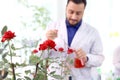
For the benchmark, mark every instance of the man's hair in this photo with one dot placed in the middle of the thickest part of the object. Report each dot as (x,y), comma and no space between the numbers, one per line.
(78,1)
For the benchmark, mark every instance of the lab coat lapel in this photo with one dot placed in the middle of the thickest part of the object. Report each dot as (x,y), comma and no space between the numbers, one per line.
(76,42)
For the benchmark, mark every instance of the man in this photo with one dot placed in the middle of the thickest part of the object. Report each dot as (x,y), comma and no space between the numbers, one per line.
(116,62)
(74,33)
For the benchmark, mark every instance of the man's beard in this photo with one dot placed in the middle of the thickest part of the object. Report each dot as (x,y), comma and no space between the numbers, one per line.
(76,22)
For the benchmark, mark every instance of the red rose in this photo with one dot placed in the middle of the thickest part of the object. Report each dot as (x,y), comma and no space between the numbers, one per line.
(69,51)
(35,51)
(8,36)
(42,47)
(78,63)
(47,44)
(60,49)
(50,43)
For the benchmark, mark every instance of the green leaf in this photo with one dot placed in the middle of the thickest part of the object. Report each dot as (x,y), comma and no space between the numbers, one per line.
(1,64)
(4,30)
(18,74)
(13,54)
(40,76)
(20,79)
(6,45)
(27,78)
(13,47)
(1,50)
(4,55)
(57,76)
(5,60)
(27,71)
(22,64)
(71,61)
(53,72)
(33,59)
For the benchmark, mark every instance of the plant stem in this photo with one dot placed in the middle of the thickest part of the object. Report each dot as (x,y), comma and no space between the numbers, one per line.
(46,66)
(13,71)
(36,70)
(10,51)
(12,64)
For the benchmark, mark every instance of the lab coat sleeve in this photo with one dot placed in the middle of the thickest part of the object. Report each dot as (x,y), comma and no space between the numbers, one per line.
(95,56)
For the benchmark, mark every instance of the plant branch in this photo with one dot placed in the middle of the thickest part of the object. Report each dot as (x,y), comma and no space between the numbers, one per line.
(36,70)
(13,71)
(10,51)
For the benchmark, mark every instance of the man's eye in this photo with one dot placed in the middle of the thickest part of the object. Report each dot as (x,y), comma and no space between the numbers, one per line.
(71,12)
(78,13)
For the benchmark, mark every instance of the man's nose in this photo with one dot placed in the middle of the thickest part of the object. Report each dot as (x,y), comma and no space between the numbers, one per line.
(74,16)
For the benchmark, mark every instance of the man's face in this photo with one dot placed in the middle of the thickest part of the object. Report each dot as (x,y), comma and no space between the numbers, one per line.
(74,12)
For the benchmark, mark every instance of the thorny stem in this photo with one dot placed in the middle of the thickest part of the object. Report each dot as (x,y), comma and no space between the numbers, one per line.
(36,69)
(45,78)
(37,66)
(10,51)
(12,64)
(13,70)
(46,66)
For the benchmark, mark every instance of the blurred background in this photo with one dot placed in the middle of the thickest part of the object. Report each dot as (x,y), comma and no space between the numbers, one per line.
(28,19)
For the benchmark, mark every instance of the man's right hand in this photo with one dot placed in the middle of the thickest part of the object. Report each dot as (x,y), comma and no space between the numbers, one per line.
(51,34)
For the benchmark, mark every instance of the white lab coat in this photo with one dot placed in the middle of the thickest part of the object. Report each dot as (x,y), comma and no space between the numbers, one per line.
(86,38)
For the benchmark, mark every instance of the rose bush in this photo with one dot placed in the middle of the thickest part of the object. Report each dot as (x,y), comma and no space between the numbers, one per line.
(37,59)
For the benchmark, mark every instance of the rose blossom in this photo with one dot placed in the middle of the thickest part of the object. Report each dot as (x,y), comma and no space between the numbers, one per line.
(8,35)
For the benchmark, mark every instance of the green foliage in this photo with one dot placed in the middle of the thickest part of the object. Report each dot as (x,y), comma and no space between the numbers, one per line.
(1,50)
(26,78)
(34,59)
(4,30)
(40,17)
(57,77)
(27,71)
(7,53)
(40,75)
(118,78)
